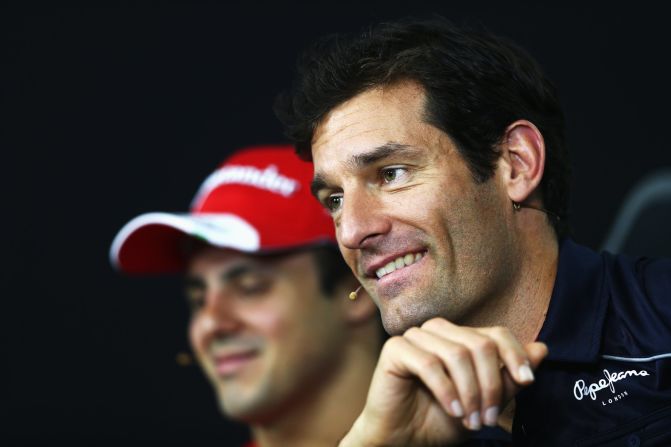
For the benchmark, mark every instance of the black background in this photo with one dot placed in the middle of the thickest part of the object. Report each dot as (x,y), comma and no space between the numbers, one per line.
(112,110)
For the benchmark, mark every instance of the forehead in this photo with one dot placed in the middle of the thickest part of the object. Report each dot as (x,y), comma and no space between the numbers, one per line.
(378,116)
(381,109)
(206,257)
(215,260)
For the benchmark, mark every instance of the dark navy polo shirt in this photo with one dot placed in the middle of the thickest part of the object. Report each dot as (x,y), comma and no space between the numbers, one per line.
(607,378)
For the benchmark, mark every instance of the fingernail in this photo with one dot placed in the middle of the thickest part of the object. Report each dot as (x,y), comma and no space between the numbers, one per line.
(474,421)
(525,373)
(492,416)
(457,408)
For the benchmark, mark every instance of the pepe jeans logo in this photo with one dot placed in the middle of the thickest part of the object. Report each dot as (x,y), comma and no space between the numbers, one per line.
(581,389)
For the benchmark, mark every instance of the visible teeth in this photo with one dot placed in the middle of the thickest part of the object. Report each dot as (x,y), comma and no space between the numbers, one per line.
(398,263)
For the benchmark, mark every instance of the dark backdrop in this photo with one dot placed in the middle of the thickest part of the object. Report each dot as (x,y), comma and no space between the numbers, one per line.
(111,111)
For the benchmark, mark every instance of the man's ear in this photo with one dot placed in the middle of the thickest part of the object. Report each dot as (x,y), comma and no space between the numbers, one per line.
(522,159)
(357,311)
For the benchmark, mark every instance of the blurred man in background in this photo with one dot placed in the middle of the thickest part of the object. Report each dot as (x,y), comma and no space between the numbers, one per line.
(271,325)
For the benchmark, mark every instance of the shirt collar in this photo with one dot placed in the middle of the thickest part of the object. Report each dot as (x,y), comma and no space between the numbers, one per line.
(573,325)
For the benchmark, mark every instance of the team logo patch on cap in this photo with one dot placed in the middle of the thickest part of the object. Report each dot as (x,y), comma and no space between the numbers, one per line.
(269,179)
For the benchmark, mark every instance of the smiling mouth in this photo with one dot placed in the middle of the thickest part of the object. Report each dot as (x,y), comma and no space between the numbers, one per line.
(233,363)
(399,263)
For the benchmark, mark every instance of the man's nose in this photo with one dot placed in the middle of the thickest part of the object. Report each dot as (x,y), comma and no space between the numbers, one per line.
(220,311)
(362,219)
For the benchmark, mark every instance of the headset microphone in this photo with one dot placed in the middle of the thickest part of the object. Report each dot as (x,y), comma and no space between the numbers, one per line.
(353,295)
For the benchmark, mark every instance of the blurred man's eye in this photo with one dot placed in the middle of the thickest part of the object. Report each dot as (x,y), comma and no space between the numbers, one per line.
(253,284)
(195,299)
(194,292)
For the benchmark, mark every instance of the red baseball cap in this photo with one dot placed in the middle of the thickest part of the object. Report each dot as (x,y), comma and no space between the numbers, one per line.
(257,201)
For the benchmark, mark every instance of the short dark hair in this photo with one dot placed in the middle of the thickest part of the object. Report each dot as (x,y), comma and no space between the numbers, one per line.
(476,85)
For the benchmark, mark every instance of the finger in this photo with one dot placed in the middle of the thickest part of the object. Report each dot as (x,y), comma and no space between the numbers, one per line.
(402,358)
(458,362)
(536,352)
(512,353)
(485,358)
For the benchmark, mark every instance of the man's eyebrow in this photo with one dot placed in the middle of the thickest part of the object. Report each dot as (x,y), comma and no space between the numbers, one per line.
(191,280)
(380,153)
(318,183)
(365,159)
(238,271)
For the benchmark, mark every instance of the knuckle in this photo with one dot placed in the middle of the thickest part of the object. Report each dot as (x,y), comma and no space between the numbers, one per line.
(500,332)
(431,363)
(486,346)
(433,324)
(459,353)
(412,332)
(392,344)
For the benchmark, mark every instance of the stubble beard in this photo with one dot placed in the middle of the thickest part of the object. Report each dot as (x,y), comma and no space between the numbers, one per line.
(242,403)
(412,306)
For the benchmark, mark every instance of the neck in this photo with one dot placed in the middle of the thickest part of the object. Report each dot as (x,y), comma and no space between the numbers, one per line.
(327,414)
(523,304)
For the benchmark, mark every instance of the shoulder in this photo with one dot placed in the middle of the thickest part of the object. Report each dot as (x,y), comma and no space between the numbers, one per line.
(654,276)
(645,279)
(639,310)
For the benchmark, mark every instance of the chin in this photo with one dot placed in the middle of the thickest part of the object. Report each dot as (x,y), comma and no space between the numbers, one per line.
(249,399)
(242,410)
(401,314)
(397,322)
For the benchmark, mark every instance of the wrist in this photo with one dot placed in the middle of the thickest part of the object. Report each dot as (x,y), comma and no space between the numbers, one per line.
(358,436)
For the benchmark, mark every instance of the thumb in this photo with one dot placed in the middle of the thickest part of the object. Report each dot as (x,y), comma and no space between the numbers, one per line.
(536,352)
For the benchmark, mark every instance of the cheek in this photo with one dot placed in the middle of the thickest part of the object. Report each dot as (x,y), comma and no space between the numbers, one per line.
(286,326)
(269,322)
(348,255)
(424,214)
(199,327)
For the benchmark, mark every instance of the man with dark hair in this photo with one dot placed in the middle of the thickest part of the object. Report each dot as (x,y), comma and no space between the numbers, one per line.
(440,154)
(285,350)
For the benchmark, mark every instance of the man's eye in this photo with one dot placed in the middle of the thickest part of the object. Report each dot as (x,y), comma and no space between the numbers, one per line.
(253,284)
(392,174)
(195,298)
(333,202)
